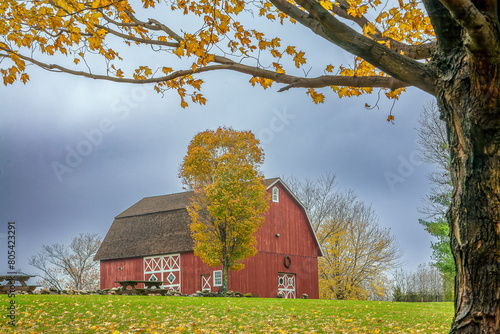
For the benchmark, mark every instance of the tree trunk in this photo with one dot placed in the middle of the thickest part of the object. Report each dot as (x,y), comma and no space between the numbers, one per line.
(468,101)
(224,277)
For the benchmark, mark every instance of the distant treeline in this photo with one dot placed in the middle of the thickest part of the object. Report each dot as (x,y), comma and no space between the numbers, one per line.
(427,284)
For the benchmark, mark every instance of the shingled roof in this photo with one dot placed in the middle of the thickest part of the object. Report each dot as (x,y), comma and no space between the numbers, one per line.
(154,225)
(149,205)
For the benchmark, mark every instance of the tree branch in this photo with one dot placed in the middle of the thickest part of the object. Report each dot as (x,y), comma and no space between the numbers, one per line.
(322,22)
(151,25)
(448,32)
(421,51)
(318,82)
(351,81)
(482,32)
(137,39)
(227,64)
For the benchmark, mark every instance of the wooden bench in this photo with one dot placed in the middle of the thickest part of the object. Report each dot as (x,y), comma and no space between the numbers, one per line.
(146,291)
(150,287)
(16,278)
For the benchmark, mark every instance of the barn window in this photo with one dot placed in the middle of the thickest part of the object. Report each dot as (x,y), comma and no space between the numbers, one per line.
(218,278)
(276,194)
(153,278)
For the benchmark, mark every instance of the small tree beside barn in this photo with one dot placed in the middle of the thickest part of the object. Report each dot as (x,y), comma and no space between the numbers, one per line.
(229,199)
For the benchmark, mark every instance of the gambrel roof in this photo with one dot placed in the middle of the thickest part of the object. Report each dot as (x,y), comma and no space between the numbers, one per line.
(154,225)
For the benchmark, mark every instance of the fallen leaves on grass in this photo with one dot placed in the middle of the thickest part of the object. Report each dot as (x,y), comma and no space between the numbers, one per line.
(143,314)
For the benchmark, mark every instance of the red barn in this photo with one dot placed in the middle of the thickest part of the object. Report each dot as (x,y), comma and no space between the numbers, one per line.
(151,241)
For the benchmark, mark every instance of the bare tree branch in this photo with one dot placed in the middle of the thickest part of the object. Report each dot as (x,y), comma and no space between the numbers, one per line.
(70,266)
(50,276)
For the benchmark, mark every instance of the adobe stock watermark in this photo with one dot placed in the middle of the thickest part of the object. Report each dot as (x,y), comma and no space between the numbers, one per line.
(277,123)
(405,169)
(75,154)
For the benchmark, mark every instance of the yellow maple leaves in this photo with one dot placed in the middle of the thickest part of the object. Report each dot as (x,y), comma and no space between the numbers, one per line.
(51,28)
(142,73)
(406,23)
(279,68)
(299,59)
(326,4)
(148,3)
(316,97)
(264,82)
(357,11)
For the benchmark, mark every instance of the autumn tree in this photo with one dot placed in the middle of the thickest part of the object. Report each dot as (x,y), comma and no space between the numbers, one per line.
(69,266)
(359,254)
(357,258)
(229,202)
(449,49)
(434,149)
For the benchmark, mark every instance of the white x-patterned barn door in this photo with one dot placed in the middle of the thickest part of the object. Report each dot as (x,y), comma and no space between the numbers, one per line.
(286,285)
(206,282)
(164,268)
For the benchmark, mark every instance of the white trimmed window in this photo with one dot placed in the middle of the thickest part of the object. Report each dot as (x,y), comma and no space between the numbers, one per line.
(217,277)
(276,194)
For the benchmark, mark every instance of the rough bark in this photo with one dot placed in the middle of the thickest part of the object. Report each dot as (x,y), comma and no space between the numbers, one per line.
(468,100)
(474,215)
(468,97)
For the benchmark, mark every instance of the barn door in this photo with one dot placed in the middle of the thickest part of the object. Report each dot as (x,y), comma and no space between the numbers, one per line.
(165,268)
(286,285)
(206,283)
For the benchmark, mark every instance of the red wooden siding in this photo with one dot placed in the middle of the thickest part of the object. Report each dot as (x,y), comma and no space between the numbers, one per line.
(259,277)
(288,219)
(192,268)
(132,269)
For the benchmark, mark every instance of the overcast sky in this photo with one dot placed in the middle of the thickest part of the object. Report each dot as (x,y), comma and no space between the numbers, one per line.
(74,152)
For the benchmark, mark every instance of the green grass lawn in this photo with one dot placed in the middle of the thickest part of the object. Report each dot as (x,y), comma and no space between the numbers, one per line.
(148,314)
